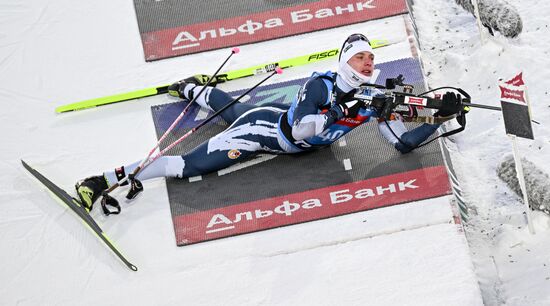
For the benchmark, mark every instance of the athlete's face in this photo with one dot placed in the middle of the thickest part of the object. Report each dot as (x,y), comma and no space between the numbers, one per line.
(362,62)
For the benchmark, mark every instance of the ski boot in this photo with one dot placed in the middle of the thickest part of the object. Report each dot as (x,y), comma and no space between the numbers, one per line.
(176,89)
(90,189)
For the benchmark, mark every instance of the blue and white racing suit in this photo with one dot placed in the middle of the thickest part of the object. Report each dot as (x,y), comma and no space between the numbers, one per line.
(276,128)
(307,124)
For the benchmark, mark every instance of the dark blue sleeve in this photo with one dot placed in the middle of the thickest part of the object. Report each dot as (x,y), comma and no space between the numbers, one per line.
(313,95)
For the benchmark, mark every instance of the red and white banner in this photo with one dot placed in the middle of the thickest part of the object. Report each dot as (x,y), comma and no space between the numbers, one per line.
(516,81)
(262,26)
(312,205)
(513,90)
(515,107)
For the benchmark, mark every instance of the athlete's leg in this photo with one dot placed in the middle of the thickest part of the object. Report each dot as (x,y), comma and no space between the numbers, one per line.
(253,132)
(215,99)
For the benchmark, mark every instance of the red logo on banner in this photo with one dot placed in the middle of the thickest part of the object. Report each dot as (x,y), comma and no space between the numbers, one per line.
(517,80)
(416,101)
(513,90)
(507,94)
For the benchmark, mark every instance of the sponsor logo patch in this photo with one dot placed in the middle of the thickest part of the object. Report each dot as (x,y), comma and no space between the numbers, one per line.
(234,154)
(416,101)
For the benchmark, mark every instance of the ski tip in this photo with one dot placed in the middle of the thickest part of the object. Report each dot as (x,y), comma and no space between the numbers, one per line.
(279,70)
(235,50)
(25,164)
(132,267)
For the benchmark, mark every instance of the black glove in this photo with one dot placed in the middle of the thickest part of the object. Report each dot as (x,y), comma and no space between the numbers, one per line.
(350,109)
(347,105)
(451,104)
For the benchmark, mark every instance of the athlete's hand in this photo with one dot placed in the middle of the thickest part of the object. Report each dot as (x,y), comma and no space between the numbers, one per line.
(452,104)
(350,109)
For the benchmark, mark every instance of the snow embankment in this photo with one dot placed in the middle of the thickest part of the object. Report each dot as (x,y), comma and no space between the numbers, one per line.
(537,182)
(497,15)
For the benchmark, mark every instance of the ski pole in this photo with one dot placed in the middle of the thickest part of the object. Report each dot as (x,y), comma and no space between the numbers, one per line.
(193,130)
(178,119)
(482,106)
(496,108)
(186,109)
(172,126)
(107,199)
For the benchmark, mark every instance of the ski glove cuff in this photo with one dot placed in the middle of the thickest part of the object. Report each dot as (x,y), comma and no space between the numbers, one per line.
(351,108)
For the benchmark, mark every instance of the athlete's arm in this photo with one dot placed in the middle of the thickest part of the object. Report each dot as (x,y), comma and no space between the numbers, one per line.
(307,120)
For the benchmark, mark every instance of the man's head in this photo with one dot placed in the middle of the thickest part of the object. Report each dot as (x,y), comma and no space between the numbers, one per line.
(356,61)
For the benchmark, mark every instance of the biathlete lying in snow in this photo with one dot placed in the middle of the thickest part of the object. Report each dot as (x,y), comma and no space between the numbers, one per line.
(322,105)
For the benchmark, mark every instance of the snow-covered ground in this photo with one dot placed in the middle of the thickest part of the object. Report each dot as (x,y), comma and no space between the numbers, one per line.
(53,53)
(513,266)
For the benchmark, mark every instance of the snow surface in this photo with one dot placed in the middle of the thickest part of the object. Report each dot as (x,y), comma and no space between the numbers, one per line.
(53,53)
(513,266)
